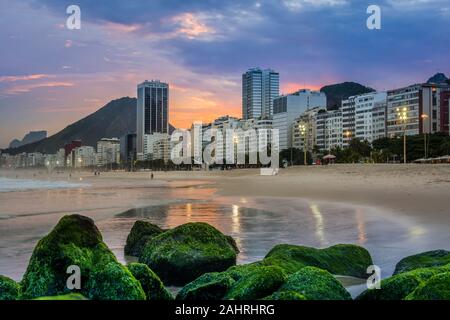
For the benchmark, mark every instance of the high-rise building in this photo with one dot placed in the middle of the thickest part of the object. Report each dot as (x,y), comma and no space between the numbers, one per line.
(152,110)
(421,105)
(289,107)
(363,117)
(329,126)
(128,148)
(259,89)
(108,151)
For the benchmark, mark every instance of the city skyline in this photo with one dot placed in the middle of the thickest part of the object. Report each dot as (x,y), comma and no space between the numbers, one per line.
(60,75)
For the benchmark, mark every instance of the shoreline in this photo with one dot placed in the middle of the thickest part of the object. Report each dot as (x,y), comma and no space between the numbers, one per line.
(413,190)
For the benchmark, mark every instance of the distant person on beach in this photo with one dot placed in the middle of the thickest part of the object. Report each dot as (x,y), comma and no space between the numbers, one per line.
(151,176)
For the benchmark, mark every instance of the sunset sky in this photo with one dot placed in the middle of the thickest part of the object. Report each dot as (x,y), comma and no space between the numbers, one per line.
(51,76)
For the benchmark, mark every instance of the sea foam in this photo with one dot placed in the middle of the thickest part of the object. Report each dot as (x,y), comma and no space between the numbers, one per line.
(9,185)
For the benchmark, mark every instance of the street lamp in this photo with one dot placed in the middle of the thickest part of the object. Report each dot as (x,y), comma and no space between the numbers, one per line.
(302,128)
(424,117)
(402,115)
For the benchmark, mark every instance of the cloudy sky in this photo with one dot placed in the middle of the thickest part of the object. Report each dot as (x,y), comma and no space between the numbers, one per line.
(51,76)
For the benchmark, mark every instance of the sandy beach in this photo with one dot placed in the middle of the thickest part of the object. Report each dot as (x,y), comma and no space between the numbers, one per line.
(419,191)
(393,210)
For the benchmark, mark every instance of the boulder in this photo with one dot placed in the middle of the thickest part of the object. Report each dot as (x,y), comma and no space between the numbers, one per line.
(342,259)
(76,241)
(184,253)
(427,259)
(9,289)
(140,233)
(398,287)
(435,288)
(313,284)
(210,286)
(113,282)
(70,296)
(244,282)
(260,282)
(150,282)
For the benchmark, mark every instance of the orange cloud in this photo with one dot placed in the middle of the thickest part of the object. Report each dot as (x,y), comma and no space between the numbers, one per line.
(29,87)
(23,78)
(191,26)
(124,28)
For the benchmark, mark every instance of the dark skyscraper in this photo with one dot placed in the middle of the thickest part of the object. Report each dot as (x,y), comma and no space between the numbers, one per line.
(152,110)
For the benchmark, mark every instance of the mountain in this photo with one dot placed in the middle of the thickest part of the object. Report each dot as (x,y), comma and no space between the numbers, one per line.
(438,78)
(341,91)
(30,137)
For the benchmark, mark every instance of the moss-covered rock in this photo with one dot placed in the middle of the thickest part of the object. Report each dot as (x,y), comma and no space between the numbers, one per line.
(285,295)
(398,287)
(436,288)
(210,286)
(9,289)
(70,296)
(186,252)
(342,259)
(257,284)
(75,240)
(140,234)
(150,282)
(314,284)
(427,259)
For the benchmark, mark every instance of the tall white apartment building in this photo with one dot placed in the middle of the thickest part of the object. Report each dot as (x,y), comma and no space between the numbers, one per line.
(259,89)
(287,108)
(365,106)
(108,151)
(329,128)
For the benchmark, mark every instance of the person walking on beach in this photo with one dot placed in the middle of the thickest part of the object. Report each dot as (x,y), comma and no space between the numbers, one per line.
(151,176)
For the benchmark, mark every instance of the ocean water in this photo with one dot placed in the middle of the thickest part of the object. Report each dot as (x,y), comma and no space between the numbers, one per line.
(10,185)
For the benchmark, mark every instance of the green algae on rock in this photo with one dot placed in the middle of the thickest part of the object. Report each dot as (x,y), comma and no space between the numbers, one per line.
(313,284)
(341,259)
(75,240)
(182,254)
(257,284)
(435,288)
(435,258)
(140,234)
(210,286)
(150,282)
(398,287)
(9,289)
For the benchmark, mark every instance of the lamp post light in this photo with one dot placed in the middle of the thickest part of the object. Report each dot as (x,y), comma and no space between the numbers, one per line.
(303,129)
(425,148)
(402,115)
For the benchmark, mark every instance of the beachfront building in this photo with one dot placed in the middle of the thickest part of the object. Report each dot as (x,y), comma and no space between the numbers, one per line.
(259,89)
(152,111)
(368,108)
(379,113)
(84,156)
(108,151)
(305,129)
(287,108)
(422,105)
(329,128)
(55,160)
(156,147)
(128,148)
